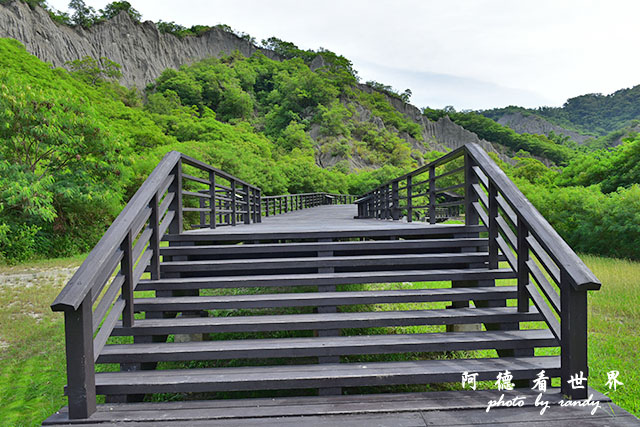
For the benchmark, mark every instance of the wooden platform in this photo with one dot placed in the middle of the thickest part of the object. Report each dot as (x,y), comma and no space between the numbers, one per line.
(260,304)
(452,408)
(313,220)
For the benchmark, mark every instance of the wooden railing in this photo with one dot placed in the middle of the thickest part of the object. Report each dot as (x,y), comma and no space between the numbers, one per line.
(180,189)
(549,272)
(275,205)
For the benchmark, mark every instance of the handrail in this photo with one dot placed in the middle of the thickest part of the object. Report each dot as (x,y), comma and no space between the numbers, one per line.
(517,233)
(582,278)
(384,201)
(102,289)
(81,282)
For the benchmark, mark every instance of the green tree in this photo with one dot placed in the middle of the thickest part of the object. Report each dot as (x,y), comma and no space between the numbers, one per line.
(93,71)
(114,8)
(83,15)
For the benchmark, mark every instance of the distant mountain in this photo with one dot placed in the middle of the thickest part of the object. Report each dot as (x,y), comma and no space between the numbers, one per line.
(592,115)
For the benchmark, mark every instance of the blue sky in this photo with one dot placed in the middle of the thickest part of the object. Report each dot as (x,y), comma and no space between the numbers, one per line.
(471,54)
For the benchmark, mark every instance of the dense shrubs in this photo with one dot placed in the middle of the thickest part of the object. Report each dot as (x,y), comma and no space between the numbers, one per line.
(488,129)
(74,147)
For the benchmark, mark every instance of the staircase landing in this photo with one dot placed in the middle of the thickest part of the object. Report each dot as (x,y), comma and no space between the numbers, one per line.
(317,219)
(448,408)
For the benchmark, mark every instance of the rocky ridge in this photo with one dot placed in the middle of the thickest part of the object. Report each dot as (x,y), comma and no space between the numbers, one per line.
(144,52)
(529,123)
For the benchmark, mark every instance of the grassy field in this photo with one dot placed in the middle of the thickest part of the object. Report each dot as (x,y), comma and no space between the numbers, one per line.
(32,367)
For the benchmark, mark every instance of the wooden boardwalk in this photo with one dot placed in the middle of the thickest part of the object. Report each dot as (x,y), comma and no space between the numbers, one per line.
(314,220)
(292,296)
(452,408)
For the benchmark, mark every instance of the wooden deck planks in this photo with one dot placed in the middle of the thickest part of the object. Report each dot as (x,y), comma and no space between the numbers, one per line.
(314,299)
(290,322)
(326,346)
(319,375)
(458,408)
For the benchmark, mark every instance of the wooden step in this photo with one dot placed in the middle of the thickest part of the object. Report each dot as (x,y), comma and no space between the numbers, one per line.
(326,346)
(321,375)
(312,279)
(315,299)
(362,261)
(307,247)
(253,234)
(317,321)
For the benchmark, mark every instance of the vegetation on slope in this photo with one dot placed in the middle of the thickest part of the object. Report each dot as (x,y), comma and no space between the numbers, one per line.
(488,129)
(593,113)
(75,146)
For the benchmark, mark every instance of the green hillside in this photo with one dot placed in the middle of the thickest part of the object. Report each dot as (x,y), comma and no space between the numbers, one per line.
(75,146)
(592,113)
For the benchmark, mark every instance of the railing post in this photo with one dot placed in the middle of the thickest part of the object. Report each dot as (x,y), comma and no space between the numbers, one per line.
(176,204)
(493,226)
(126,269)
(409,198)
(470,178)
(212,202)
(247,204)
(154,242)
(234,210)
(259,193)
(432,195)
(395,201)
(573,343)
(201,205)
(523,269)
(81,381)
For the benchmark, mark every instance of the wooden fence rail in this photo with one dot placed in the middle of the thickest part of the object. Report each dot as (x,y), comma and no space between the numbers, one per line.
(550,274)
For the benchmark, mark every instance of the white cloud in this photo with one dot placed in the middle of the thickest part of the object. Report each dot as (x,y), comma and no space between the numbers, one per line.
(493,52)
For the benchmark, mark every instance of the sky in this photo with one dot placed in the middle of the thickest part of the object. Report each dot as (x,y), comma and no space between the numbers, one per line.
(470,54)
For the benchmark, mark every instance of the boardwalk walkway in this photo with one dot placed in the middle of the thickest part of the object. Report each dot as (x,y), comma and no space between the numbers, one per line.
(453,408)
(318,219)
(291,299)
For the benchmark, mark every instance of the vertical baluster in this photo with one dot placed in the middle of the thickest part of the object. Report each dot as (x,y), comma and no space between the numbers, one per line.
(523,269)
(395,201)
(493,226)
(470,178)
(126,269)
(212,200)
(81,381)
(234,209)
(432,194)
(259,191)
(154,242)
(176,204)
(409,198)
(201,214)
(573,326)
(247,204)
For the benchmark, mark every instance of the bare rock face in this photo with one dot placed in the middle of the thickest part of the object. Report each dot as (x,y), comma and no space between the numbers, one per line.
(537,125)
(140,48)
(441,135)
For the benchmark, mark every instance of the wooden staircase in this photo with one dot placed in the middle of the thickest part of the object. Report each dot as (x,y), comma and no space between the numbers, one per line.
(328,317)
(310,308)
